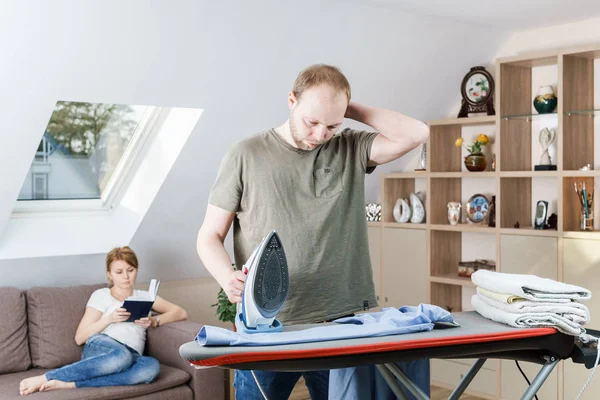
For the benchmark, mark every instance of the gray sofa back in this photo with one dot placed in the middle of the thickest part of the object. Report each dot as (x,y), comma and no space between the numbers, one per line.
(54,314)
(14,346)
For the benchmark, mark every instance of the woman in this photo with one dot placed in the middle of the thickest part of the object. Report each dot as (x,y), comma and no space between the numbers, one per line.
(113,351)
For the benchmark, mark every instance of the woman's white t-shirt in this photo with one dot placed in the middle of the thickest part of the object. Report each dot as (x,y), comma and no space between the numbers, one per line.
(127,333)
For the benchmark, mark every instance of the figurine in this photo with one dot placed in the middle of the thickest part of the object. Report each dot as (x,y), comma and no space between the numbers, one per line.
(552,222)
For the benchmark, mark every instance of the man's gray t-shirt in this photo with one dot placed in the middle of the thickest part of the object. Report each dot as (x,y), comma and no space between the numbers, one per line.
(315,202)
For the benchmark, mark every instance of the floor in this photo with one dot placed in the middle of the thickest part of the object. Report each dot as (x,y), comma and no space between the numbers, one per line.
(437,393)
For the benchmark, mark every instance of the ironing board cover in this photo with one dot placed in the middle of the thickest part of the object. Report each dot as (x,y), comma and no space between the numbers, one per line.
(473,329)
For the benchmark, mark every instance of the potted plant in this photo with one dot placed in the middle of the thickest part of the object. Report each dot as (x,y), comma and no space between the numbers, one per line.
(475,161)
(226,310)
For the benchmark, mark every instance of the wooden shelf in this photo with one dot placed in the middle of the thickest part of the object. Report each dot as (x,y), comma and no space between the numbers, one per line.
(594,235)
(528,174)
(406,225)
(537,59)
(489,174)
(516,185)
(406,175)
(483,174)
(581,173)
(452,279)
(373,223)
(528,231)
(463,228)
(486,120)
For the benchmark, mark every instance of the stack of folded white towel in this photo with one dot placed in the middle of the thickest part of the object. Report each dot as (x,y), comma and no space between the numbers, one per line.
(530,301)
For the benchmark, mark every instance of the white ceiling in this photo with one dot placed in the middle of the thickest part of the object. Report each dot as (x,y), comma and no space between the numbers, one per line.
(508,14)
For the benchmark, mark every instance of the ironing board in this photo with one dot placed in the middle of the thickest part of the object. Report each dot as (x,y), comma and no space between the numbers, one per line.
(476,338)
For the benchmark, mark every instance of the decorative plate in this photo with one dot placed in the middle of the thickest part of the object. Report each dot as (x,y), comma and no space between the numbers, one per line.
(477,208)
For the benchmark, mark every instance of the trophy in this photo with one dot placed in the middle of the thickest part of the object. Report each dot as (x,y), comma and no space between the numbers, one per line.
(546,138)
(422,158)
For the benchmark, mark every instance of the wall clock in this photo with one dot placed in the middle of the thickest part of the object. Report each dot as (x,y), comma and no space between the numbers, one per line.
(477,91)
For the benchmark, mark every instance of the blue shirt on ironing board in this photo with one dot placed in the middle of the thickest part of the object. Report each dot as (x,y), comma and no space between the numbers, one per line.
(389,321)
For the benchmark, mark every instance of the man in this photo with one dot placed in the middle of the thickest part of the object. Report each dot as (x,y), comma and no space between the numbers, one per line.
(307,182)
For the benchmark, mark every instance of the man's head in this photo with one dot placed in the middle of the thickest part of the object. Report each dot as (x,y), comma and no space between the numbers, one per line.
(317,103)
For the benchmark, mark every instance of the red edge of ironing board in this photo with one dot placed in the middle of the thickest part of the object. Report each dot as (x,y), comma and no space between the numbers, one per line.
(372,348)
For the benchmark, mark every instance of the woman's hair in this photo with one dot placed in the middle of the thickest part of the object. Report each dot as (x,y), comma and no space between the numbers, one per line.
(318,74)
(121,253)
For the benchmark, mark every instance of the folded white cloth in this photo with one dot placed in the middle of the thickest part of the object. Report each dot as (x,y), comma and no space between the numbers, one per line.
(573,311)
(504,298)
(526,320)
(530,287)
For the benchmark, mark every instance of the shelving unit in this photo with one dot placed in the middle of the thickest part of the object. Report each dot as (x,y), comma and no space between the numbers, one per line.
(517,187)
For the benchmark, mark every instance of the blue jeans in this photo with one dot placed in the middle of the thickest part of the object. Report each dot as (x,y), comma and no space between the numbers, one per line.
(107,362)
(279,385)
(366,383)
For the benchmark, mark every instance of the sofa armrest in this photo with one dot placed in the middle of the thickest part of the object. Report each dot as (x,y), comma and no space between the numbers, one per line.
(163,344)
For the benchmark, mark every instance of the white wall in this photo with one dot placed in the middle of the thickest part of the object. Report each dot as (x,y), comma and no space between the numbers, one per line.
(237,61)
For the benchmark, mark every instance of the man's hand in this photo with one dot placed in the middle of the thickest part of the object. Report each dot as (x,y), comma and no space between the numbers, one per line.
(234,285)
(351,112)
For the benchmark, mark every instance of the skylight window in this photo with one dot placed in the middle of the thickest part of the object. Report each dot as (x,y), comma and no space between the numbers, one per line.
(84,150)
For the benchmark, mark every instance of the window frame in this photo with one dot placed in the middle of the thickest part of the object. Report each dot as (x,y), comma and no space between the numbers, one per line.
(116,185)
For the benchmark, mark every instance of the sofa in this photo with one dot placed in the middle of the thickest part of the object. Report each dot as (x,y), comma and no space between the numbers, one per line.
(37,331)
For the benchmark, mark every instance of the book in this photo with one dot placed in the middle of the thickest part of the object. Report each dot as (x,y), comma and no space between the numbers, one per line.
(140,306)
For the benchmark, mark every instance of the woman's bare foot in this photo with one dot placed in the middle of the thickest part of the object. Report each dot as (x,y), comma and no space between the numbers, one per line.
(54,385)
(31,385)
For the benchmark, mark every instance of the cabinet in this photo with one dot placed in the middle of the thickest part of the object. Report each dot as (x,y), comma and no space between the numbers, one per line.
(375,253)
(404,279)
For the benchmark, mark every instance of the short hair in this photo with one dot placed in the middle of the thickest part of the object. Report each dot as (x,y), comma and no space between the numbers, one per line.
(318,74)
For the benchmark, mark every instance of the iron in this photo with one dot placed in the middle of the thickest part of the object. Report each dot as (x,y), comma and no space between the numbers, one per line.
(266,288)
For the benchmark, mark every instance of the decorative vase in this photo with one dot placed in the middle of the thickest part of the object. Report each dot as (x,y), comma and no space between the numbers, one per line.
(417,209)
(545,101)
(475,162)
(454,212)
(401,211)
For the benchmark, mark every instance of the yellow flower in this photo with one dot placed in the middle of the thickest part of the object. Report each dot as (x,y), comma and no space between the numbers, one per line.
(483,138)
(459,142)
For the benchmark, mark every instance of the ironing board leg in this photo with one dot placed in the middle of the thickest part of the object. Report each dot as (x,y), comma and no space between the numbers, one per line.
(540,378)
(466,380)
(389,378)
(414,389)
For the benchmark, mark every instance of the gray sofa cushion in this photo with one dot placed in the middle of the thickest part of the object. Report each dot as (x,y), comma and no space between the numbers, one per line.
(54,314)
(169,377)
(14,347)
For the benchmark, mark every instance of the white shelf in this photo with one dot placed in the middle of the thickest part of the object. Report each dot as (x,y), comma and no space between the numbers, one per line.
(529,231)
(529,174)
(463,228)
(483,174)
(406,175)
(452,279)
(582,235)
(581,173)
(407,225)
(485,120)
